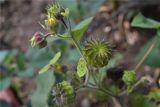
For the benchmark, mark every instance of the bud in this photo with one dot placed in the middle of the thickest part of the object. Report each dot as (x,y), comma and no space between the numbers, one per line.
(51,21)
(129,77)
(38,40)
(97,53)
(57,12)
(65,12)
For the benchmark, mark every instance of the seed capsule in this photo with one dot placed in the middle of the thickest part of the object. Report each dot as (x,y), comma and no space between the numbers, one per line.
(97,53)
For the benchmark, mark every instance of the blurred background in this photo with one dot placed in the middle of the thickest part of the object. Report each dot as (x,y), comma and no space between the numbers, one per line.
(19,63)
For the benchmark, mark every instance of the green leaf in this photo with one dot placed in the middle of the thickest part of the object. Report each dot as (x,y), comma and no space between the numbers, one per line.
(39,57)
(153,58)
(56,58)
(143,22)
(155,94)
(82,67)
(5,83)
(158,32)
(44,69)
(79,30)
(26,73)
(139,100)
(20,60)
(52,62)
(3,54)
(10,57)
(45,82)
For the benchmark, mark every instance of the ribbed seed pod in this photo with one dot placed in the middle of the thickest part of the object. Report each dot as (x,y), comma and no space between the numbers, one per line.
(63,93)
(97,52)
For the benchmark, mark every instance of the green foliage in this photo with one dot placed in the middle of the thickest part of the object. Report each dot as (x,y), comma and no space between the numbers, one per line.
(13,63)
(158,32)
(115,89)
(51,63)
(81,9)
(153,58)
(74,79)
(5,83)
(29,72)
(39,57)
(82,67)
(140,100)
(94,55)
(115,60)
(143,22)
(55,59)
(155,94)
(45,82)
(20,61)
(3,54)
(73,8)
(79,30)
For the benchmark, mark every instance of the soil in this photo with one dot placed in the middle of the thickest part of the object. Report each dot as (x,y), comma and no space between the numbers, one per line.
(19,20)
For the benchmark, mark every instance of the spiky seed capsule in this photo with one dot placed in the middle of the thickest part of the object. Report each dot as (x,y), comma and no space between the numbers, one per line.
(63,93)
(97,53)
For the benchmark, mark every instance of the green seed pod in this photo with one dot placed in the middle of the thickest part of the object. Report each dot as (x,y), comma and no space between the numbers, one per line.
(97,53)
(63,93)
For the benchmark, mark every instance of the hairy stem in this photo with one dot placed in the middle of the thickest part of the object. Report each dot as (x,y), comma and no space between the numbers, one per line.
(79,49)
(77,45)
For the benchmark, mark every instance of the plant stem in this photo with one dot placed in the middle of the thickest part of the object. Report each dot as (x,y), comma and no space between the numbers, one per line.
(77,45)
(116,102)
(107,92)
(79,49)
(135,85)
(146,55)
